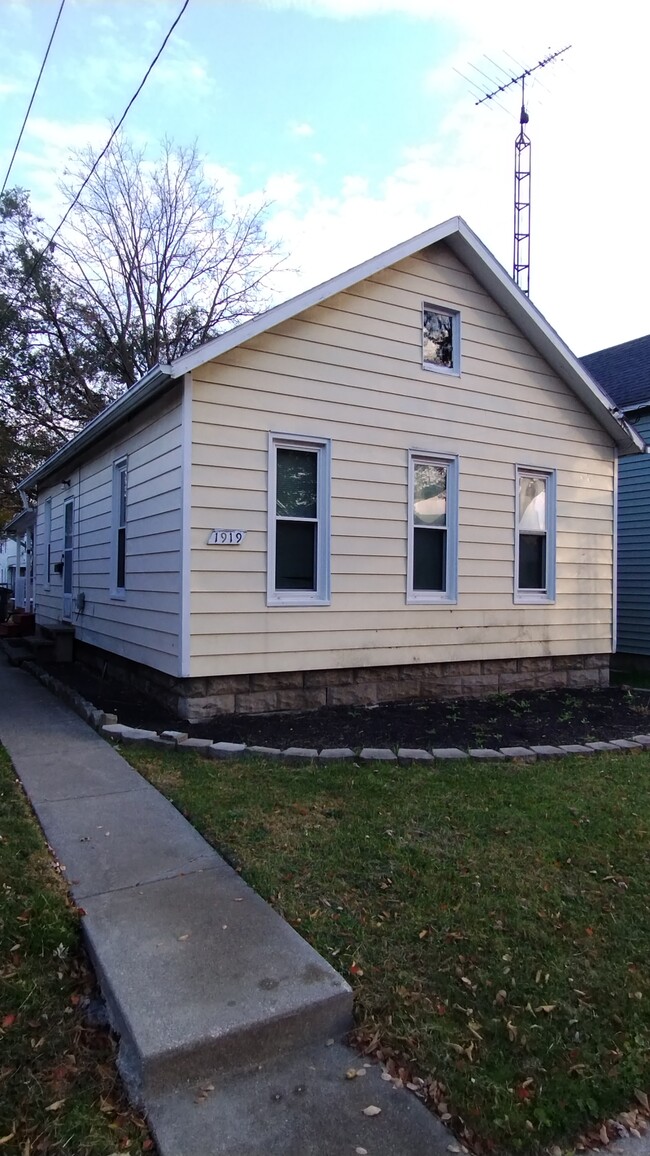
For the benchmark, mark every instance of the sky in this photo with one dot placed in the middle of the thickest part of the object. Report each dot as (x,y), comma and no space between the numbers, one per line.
(352,119)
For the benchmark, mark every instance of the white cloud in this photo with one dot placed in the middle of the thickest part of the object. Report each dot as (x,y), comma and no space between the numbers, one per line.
(300,128)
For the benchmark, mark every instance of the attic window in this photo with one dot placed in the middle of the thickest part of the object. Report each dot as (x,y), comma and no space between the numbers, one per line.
(440,339)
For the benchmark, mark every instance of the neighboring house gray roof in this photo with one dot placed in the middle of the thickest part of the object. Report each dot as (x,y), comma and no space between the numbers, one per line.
(623,371)
(469,248)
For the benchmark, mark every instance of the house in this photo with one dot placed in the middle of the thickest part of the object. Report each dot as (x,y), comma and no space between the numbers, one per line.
(17,559)
(398,484)
(624,372)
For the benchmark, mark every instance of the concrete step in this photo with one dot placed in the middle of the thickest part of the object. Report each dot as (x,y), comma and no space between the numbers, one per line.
(300,1105)
(198,972)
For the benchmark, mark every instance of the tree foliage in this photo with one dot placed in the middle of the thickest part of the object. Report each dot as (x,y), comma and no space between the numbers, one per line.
(151,264)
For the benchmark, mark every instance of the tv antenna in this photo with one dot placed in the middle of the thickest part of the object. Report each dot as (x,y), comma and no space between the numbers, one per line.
(521,249)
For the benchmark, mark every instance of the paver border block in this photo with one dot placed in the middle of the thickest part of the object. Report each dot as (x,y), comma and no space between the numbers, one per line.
(113,730)
(226,750)
(175,736)
(300,754)
(330,754)
(413,755)
(262,752)
(642,740)
(377,755)
(485,754)
(626,745)
(546,751)
(599,747)
(520,754)
(200,746)
(576,749)
(448,753)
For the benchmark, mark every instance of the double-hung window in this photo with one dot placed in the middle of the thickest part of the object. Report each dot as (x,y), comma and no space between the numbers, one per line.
(299,521)
(535,535)
(118,563)
(433,528)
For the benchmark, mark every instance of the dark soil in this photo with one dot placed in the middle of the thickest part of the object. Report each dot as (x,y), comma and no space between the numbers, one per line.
(560,716)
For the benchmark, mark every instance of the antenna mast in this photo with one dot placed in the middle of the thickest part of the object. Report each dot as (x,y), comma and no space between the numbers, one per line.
(521,253)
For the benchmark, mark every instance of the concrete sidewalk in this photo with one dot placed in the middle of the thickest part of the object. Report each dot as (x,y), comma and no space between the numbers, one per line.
(225,1014)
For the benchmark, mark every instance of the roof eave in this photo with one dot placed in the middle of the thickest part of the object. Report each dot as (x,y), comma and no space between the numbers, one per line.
(487,270)
(138,395)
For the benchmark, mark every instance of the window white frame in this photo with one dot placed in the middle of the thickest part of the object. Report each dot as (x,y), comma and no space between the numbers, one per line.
(448,596)
(118,525)
(47,542)
(323,449)
(526,597)
(452,370)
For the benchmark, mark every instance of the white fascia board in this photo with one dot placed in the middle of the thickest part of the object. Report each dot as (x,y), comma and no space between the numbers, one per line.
(498,283)
(134,398)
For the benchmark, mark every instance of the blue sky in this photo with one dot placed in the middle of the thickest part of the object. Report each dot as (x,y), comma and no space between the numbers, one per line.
(350,117)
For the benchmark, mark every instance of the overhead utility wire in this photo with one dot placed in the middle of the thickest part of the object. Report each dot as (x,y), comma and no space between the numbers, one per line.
(31,101)
(105,149)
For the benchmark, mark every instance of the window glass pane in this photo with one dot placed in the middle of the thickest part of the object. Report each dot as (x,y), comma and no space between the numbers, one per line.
(120,577)
(532,504)
(296,484)
(430,494)
(429,559)
(532,561)
(67,526)
(122,494)
(438,338)
(295,555)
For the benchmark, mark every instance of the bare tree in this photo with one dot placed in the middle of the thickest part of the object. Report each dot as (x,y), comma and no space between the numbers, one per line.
(156,262)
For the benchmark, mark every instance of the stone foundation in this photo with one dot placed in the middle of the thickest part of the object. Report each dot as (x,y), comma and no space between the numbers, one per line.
(196,699)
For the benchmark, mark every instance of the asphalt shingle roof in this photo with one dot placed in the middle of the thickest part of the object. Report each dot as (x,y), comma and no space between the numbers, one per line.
(623,371)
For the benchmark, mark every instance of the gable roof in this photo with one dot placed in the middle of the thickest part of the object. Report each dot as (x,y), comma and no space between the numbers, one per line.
(467,246)
(623,371)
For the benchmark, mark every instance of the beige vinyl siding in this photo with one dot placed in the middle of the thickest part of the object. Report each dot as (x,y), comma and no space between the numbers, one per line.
(145,625)
(350,370)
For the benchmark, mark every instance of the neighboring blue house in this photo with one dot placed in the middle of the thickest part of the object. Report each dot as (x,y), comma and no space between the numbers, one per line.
(624,372)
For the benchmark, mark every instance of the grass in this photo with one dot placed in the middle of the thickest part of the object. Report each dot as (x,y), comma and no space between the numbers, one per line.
(59,1091)
(494,921)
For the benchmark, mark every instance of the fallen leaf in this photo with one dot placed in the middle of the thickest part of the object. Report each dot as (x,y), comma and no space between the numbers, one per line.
(371,1110)
(355,969)
(183,937)
(423,934)
(643,1099)
(361,1151)
(604,1138)
(351,1074)
(453,1147)
(546,1007)
(8,1137)
(54,1107)
(8,1020)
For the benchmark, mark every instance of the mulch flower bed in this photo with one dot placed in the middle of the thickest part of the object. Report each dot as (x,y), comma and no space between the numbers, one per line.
(530,717)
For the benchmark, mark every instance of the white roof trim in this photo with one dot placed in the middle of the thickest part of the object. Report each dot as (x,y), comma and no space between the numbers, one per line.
(494,279)
(468,248)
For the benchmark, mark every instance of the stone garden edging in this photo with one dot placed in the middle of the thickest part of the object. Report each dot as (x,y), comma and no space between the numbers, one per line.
(108,726)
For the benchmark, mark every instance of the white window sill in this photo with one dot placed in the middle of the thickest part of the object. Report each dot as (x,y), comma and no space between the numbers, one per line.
(532,599)
(426,599)
(441,369)
(118,595)
(276,600)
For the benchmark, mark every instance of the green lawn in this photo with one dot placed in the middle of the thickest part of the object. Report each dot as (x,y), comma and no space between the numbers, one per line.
(59,1091)
(493,920)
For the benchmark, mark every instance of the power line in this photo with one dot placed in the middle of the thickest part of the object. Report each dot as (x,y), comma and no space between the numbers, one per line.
(102,154)
(31,101)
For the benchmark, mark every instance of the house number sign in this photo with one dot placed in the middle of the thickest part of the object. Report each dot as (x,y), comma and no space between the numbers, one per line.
(226,537)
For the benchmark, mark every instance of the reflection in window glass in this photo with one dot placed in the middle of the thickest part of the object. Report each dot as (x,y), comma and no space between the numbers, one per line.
(532,504)
(296,483)
(430,494)
(438,338)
